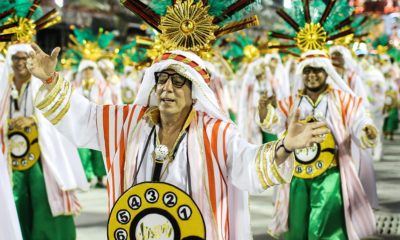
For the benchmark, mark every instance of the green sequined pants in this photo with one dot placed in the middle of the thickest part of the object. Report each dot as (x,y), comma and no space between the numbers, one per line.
(316,208)
(36,220)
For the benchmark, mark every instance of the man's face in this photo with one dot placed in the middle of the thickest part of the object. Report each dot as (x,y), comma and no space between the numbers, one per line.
(337,59)
(87,73)
(172,98)
(314,78)
(19,63)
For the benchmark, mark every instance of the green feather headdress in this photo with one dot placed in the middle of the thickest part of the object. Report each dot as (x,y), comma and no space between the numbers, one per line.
(312,23)
(132,54)
(27,20)
(88,45)
(193,24)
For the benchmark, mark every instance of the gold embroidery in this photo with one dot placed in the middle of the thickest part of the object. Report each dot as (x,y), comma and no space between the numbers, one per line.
(56,106)
(51,96)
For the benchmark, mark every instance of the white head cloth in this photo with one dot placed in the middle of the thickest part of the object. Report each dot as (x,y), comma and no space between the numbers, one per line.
(206,100)
(96,72)
(319,59)
(105,64)
(350,63)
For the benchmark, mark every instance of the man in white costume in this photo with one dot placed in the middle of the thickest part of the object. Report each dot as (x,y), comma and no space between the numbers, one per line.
(175,108)
(265,76)
(349,71)
(325,199)
(113,82)
(375,84)
(44,193)
(92,85)
(9,224)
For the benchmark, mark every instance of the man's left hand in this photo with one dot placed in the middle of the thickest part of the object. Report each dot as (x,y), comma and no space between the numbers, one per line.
(371,132)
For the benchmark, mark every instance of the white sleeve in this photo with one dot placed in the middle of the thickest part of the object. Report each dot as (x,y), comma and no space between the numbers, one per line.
(253,168)
(72,114)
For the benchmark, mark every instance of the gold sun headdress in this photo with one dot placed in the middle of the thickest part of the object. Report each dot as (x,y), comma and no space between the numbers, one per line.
(23,26)
(313,23)
(192,25)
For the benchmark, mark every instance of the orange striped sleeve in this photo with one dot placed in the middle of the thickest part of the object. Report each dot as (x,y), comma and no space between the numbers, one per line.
(210,170)
(122,153)
(106,124)
(214,146)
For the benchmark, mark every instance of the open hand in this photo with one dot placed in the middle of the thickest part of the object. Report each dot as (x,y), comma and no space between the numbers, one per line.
(301,135)
(40,64)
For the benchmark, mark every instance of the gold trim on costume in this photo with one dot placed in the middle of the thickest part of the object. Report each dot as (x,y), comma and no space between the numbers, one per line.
(258,169)
(53,109)
(60,116)
(51,96)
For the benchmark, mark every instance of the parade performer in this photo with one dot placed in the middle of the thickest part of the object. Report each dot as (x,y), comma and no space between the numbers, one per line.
(176,113)
(133,59)
(90,83)
(348,70)
(265,76)
(9,225)
(46,166)
(325,199)
(391,122)
(375,86)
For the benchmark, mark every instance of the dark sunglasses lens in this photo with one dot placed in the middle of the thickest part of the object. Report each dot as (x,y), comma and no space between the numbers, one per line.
(178,80)
(161,77)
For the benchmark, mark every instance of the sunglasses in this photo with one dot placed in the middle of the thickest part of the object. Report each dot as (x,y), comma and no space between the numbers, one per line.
(308,70)
(176,79)
(16,58)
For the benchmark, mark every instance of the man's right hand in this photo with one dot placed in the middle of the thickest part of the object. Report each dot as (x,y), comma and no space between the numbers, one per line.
(40,64)
(263,103)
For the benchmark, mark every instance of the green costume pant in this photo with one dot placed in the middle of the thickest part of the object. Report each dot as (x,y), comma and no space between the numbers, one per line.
(391,121)
(316,208)
(92,162)
(35,217)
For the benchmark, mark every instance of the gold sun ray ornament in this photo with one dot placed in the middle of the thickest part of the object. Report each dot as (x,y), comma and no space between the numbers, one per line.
(187,26)
(311,36)
(24,28)
(322,24)
(193,25)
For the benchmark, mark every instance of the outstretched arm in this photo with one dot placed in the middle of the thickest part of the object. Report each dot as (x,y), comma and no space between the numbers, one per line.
(73,115)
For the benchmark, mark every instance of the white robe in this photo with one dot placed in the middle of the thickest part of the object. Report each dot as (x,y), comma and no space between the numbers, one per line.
(62,168)
(9,223)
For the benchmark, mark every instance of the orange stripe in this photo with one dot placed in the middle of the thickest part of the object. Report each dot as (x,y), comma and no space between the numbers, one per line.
(214,145)
(359,103)
(290,102)
(106,125)
(349,110)
(224,142)
(347,104)
(210,171)
(68,202)
(282,108)
(122,154)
